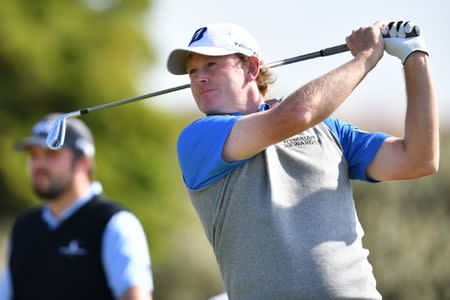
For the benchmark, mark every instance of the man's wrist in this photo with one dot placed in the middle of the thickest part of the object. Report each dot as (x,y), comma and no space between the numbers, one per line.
(370,58)
(414,57)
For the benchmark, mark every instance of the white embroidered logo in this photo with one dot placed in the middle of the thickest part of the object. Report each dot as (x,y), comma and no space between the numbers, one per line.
(301,141)
(72,249)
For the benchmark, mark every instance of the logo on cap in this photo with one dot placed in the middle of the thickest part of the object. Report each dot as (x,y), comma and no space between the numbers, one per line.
(198,35)
(42,127)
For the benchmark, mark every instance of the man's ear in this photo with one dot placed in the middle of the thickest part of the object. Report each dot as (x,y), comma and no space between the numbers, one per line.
(84,163)
(253,67)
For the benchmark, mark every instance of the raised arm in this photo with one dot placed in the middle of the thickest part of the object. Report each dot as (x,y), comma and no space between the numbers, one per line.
(417,153)
(310,104)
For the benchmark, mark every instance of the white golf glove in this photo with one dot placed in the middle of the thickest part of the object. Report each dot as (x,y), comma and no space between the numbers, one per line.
(402,39)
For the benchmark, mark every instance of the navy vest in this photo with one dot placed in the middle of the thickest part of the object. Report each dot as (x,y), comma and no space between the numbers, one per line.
(64,263)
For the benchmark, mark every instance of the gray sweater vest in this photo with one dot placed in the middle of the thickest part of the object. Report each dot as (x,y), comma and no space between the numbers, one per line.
(284,225)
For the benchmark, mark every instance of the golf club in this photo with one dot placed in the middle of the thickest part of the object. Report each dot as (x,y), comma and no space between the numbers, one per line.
(56,136)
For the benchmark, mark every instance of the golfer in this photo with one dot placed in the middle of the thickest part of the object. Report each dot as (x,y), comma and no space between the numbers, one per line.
(272,183)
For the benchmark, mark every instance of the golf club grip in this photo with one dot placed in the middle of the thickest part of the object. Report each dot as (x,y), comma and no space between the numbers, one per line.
(334,50)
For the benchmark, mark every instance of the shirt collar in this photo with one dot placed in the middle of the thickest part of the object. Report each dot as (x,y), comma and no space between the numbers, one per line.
(53,222)
(262,107)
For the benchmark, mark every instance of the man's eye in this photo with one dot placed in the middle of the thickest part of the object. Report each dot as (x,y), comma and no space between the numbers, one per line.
(211,64)
(191,71)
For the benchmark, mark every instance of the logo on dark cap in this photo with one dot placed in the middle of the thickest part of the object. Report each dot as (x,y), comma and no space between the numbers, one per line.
(198,35)
(42,128)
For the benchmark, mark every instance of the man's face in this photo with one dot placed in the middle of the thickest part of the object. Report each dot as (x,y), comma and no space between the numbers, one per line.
(52,172)
(217,82)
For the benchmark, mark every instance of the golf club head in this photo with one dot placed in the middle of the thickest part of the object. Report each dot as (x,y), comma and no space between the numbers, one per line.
(57,134)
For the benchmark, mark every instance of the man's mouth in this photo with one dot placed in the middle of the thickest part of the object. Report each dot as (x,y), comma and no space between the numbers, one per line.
(40,175)
(206,91)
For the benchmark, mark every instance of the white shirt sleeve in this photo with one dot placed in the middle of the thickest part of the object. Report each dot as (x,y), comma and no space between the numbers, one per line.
(222,296)
(125,254)
(5,285)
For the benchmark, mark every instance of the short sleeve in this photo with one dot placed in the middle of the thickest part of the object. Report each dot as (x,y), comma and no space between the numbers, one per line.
(125,254)
(359,147)
(199,149)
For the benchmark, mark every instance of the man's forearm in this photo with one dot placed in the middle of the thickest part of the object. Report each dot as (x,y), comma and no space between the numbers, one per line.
(422,122)
(321,97)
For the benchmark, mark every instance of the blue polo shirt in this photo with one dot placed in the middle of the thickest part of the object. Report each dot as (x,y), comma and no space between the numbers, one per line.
(200,148)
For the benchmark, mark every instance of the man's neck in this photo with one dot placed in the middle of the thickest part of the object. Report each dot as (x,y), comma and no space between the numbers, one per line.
(59,205)
(253,103)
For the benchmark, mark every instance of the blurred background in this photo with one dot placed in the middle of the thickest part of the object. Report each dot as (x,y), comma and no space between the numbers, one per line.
(58,55)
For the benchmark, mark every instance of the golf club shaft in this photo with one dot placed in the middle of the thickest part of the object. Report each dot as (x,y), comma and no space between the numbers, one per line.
(323,52)
(133,99)
(56,136)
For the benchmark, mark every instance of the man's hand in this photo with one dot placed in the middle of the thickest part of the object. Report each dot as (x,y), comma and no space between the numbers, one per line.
(367,41)
(398,44)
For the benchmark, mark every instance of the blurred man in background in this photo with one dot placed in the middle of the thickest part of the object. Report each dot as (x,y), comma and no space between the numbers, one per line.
(271,184)
(78,245)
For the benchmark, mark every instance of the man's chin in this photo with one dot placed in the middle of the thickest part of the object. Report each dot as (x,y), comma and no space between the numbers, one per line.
(209,110)
(47,194)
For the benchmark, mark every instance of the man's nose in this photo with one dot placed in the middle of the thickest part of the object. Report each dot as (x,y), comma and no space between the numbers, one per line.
(200,77)
(37,161)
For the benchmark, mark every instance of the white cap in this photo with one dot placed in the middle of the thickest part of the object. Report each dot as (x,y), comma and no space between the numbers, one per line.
(214,40)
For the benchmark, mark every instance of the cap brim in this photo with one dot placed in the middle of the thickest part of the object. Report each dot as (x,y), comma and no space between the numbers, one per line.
(29,142)
(176,63)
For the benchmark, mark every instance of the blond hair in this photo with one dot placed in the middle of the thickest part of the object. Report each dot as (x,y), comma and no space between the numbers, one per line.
(264,79)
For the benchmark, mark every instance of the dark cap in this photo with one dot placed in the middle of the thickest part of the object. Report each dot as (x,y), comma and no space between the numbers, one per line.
(78,136)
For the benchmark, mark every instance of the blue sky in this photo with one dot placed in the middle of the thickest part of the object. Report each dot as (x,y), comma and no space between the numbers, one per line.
(287,28)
